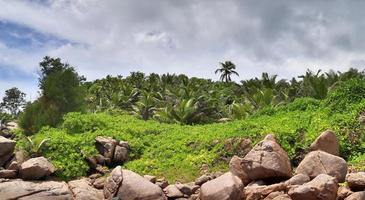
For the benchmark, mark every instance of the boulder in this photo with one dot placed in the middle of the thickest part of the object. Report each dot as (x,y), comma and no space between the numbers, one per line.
(356,196)
(27,190)
(274,195)
(172,191)
(36,168)
(323,187)
(343,192)
(6,149)
(106,146)
(113,183)
(267,160)
(225,187)
(255,192)
(162,183)
(120,155)
(150,178)
(235,167)
(99,183)
(188,188)
(282,197)
(320,162)
(202,179)
(135,186)
(298,179)
(82,190)
(5,173)
(327,142)
(356,181)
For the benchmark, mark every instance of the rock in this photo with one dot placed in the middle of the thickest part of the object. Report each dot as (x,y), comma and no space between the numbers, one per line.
(202,179)
(320,162)
(99,183)
(225,187)
(6,149)
(343,192)
(356,196)
(261,192)
(150,178)
(100,159)
(95,176)
(172,191)
(327,142)
(188,188)
(267,160)
(282,197)
(273,195)
(82,190)
(124,144)
(235,167)
(135,186)
(106,146)
(120,155)
(298,179)
(36,168)
(5,173)
(323,187)
(91,161)
(113,183)
(27,190)
(356,181)
(162,183)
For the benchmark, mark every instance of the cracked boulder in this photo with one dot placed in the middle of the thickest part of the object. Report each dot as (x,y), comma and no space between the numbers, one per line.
(135,186)
(36,168)
(6,149)
(356,181)
(225,187)
(28,190)
(82,190)
(267,160)
(323,187)
(106,146)
(327,142)
(320,162)
(113,183)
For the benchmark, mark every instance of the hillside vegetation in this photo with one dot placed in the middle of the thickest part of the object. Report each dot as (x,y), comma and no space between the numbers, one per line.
(177,151)
(179,126)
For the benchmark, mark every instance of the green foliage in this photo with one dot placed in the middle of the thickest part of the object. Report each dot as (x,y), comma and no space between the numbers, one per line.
(13,101)
(346,95)
(61,92)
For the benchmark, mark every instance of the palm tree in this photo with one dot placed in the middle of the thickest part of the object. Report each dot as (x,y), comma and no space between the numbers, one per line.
(226,70)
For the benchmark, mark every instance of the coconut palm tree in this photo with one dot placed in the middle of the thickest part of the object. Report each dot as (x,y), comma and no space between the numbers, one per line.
(226,70)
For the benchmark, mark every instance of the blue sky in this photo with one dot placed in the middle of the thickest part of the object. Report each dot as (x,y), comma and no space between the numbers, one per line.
(283,37)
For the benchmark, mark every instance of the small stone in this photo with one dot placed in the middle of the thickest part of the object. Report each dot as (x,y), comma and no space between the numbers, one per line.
(202,179)
(356,181)
(172,191)
(150,178)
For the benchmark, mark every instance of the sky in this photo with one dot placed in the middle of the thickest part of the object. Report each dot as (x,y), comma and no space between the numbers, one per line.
(283,37)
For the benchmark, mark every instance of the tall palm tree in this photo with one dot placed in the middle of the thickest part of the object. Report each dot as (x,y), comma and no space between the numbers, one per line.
(226,70)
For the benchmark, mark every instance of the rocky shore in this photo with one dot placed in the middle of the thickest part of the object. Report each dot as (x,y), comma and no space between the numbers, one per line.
(262,173)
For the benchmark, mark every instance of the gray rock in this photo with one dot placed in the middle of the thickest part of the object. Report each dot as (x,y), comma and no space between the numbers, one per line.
(6,149)
(29,190)
(225,187)
(356,181)
(120,155)
(298,179)
(82,190)
(267,160)
(150,178)
(113,183)
(5,173)
(135,187)
(323,187)
(327,142)
(172,191)
(36,168)
(320,162)
(356,196)
(202,179)
(106,146)
(235,167)
(188,188)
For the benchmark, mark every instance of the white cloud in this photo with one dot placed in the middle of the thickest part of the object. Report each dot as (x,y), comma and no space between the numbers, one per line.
(115,37)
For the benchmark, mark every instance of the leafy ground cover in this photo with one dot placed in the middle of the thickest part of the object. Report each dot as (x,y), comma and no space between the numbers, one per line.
(177,152)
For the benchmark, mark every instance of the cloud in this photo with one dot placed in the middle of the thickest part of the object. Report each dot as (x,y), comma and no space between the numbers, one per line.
(283,37)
